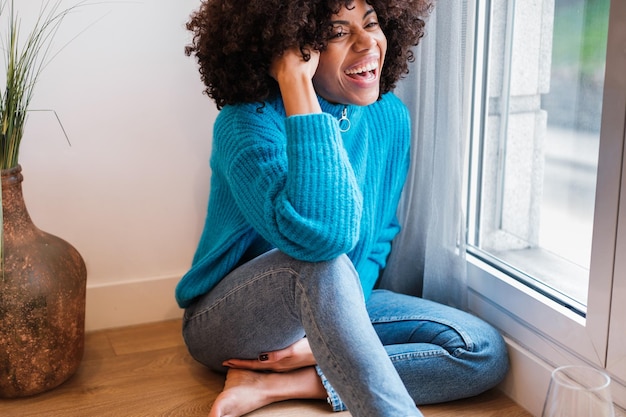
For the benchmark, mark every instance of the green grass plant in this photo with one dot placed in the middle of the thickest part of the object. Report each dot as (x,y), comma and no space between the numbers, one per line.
(24,60)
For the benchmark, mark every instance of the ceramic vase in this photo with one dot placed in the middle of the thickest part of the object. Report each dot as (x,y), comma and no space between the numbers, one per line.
(42,301)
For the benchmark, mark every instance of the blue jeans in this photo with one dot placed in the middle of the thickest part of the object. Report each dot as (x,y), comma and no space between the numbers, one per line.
(376,359)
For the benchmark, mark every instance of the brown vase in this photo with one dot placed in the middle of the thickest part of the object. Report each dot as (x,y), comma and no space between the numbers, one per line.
(42,301)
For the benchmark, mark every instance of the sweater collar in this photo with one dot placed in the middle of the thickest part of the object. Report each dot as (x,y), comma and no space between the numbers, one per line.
(353,112)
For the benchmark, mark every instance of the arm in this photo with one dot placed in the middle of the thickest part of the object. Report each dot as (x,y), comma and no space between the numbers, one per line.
(290,178)
(294,76)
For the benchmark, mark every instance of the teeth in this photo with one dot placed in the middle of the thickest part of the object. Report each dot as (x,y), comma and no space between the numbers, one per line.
(369,67)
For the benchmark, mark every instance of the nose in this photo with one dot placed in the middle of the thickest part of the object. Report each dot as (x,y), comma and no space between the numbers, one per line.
(363,41)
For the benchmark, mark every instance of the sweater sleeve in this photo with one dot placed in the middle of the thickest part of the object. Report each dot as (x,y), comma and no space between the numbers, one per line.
(292,181)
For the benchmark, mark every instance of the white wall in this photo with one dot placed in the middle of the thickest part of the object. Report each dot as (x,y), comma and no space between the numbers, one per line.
(130,193)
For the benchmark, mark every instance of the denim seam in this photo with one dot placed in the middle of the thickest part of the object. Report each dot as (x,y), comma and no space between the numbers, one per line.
(222,299)
(466,337)
(333,396)
(418,355)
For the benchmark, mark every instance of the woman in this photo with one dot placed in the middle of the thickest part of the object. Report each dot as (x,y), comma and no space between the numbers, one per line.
(310,153)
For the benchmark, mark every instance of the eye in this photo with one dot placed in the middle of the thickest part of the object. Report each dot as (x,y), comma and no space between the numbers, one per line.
(372,25)
(338,32)
(371,20)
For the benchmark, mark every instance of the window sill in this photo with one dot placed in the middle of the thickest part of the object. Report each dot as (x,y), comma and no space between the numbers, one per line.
(541,334)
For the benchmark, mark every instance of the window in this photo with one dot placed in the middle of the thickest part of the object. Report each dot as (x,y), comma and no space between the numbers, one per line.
(544,173)
(536,162)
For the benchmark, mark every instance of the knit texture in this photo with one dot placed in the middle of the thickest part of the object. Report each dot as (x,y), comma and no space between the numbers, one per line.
(300,185)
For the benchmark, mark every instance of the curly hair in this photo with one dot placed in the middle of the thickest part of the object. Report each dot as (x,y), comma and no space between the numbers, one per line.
(235,41)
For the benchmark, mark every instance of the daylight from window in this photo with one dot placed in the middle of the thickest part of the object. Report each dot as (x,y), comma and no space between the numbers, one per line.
(534,171)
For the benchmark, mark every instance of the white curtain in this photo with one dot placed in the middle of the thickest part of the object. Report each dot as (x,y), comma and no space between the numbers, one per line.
(428,256)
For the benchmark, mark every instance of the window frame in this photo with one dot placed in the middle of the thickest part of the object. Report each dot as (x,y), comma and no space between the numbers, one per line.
(536,325)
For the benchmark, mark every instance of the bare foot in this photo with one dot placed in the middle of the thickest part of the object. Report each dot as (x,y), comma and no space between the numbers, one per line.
(246,391)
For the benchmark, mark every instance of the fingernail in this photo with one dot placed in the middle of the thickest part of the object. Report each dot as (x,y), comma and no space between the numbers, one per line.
(263,357)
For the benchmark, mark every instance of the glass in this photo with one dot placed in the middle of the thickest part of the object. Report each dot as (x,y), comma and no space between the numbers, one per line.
(535,184)
(578,391)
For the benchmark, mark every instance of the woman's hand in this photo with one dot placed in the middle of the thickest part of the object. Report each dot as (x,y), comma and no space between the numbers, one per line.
(295,80)
(294,357)
(292,65)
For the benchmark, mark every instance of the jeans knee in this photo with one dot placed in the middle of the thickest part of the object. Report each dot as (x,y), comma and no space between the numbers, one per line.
(331,283)
(339,271)
(494,359)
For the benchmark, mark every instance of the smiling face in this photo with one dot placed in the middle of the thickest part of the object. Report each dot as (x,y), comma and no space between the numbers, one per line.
(349,69)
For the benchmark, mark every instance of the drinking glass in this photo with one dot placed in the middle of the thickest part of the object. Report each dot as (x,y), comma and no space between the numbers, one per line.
(578,391)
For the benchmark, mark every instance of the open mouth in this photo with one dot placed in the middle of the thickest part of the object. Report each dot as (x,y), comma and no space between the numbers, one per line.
(363,72)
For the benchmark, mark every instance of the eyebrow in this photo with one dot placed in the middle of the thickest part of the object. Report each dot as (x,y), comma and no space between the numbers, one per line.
(345,22)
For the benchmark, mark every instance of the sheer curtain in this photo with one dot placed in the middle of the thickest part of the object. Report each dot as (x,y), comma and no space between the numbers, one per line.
(428,256)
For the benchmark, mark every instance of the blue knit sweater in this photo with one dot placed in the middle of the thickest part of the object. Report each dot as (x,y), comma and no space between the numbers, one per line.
(300,185)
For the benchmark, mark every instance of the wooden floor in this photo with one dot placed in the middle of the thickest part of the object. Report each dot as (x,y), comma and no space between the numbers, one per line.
(146,371)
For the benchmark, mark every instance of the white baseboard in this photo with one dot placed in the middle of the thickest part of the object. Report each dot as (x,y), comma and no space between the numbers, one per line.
(528,379)
(130,303)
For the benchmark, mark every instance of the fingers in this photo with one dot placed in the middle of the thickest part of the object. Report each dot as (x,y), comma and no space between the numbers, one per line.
(292,61)
(265,361)
(293,357)
(251,364)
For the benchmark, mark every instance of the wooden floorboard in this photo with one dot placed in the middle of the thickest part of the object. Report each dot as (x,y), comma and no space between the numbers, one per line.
(145,371)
